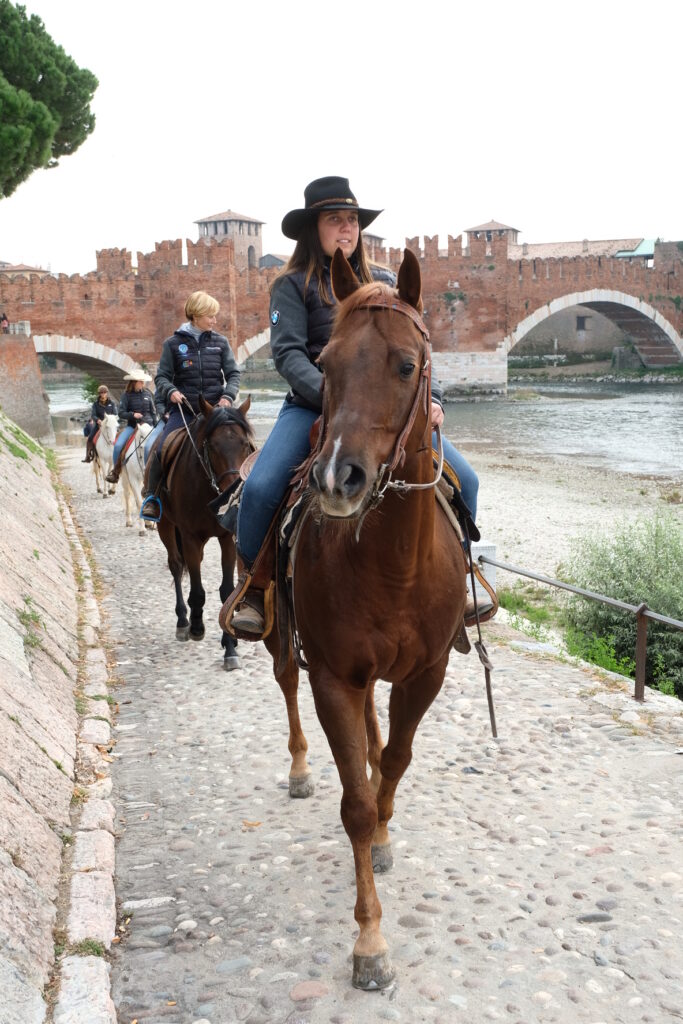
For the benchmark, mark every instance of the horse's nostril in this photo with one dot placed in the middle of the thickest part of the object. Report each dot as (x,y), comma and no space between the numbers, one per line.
(354,479)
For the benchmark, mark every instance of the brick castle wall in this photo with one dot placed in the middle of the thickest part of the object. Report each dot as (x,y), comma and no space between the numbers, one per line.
(473,298)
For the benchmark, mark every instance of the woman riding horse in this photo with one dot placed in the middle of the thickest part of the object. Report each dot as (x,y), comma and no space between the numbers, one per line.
(195,361)
(136,406)
(302,309)
(101,407)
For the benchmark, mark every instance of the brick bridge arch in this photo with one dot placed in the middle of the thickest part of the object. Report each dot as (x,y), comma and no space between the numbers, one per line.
(656,340)
(106,365)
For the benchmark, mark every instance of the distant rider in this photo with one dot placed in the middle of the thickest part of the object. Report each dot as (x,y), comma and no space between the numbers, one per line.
(101,407)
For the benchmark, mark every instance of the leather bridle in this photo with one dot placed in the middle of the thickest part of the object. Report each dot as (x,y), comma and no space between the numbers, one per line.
(384,480)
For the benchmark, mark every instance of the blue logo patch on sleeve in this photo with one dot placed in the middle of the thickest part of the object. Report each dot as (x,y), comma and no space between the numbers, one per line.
(275,317)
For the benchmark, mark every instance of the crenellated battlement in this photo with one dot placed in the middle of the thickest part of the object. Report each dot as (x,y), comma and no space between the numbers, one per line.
(474,297)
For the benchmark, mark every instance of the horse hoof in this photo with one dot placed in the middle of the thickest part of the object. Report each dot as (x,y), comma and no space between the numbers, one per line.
(231,662)
(301,787)
(382,859)
(129,524)
(197,634)
(182,633)
(372,972)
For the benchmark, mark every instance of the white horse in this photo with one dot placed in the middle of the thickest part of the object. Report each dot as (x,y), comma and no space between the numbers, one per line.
(104,452)
(132,475)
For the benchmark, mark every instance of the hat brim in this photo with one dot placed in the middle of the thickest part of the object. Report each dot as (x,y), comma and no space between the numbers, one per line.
(144,377)
(293,222)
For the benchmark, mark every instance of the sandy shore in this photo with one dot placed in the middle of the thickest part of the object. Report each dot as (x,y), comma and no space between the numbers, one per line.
(533,509)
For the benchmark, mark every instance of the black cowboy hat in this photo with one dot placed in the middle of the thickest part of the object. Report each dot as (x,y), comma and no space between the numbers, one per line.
(325,194)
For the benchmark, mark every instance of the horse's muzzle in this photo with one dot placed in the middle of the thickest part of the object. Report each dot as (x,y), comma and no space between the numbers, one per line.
(341,485)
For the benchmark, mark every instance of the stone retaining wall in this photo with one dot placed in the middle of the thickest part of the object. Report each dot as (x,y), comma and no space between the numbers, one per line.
(46,616)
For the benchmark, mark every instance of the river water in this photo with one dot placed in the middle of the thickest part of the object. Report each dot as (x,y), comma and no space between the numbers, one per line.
(628,428)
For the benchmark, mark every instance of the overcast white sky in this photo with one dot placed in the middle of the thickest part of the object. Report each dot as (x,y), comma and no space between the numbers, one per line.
(561,119)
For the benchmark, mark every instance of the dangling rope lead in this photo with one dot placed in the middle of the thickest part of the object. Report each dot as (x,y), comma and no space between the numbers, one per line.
(479,645)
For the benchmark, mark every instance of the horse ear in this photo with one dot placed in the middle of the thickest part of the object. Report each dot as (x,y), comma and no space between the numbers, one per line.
(244,406)
(410,280)
(344,281)
(205,407)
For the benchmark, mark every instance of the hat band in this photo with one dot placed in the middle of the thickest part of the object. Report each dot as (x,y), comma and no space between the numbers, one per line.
(341,199)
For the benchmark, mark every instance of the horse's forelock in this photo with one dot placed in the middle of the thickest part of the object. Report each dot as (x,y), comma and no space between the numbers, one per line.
(361,297)
(224,415)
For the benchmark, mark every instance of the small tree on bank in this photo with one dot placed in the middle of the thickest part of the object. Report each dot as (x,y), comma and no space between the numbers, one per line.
(44,99)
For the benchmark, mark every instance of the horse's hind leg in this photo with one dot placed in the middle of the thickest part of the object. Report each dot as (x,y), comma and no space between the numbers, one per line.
(176,565)
(375,743)
(301,783)
(341,710)
(382,858)
(407,706)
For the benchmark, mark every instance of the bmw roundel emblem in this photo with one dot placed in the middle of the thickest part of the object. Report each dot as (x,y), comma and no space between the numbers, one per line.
(275,317)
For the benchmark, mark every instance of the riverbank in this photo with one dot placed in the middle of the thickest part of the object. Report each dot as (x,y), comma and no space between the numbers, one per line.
(534,509)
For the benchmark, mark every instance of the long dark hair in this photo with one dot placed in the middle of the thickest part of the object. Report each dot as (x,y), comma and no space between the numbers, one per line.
(309,256)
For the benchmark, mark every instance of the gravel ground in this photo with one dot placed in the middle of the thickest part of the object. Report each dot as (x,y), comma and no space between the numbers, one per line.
(537,878)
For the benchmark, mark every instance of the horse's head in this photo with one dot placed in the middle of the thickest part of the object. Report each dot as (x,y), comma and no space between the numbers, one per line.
(109,428)
(375,368)
(224,439)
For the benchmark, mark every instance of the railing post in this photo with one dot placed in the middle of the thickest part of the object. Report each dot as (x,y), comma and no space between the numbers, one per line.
(641,653)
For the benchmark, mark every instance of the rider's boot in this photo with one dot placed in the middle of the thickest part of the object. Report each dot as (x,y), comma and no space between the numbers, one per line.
(249,611)
(151,506)
(89,454)
(113,475)
(154,477)
(250,616)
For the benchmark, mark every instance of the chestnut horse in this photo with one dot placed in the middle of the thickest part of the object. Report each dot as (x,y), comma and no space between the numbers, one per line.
(378,575)
(216,445)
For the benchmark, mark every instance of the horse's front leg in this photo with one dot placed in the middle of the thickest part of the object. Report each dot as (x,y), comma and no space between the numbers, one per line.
(193,551)
(301,784)
(127,497)
(231,660)
(167,533)
(341,710)
(407,705)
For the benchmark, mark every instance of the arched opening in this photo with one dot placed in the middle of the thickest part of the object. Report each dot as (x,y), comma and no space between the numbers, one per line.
(598,323)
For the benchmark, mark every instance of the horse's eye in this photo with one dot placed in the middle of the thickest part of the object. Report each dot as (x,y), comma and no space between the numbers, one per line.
(407,370)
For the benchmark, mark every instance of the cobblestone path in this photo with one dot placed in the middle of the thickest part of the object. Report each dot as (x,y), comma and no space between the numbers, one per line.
(537,878)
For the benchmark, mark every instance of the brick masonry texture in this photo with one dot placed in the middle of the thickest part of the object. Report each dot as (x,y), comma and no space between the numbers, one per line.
(473,298)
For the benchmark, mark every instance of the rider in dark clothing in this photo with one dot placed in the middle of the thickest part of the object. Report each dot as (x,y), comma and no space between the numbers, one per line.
(195,361)
(101,407)
(136,407)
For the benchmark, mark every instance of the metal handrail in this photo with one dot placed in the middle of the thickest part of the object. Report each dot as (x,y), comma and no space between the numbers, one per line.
(642,613)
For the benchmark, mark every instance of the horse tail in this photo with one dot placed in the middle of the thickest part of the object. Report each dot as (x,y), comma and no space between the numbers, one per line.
(181,554)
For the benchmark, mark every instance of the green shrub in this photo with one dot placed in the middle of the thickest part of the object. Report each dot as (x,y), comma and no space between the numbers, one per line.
(641,560)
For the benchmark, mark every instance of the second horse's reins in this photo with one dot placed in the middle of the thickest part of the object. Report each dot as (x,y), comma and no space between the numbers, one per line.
(205,458)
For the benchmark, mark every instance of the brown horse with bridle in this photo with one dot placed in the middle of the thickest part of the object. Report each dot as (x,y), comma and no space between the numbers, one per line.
(378,573)
(205,463)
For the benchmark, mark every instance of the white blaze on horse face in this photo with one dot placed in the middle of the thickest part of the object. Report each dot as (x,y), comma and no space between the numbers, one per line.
(331,473)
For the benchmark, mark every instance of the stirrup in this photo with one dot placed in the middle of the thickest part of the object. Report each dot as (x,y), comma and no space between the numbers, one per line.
(150,512)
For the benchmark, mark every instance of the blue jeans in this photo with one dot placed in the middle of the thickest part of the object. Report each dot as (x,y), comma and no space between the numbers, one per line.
(120,441)
(286,447)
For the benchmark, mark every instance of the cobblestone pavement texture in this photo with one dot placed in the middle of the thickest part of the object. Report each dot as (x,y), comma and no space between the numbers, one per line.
(536,878)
